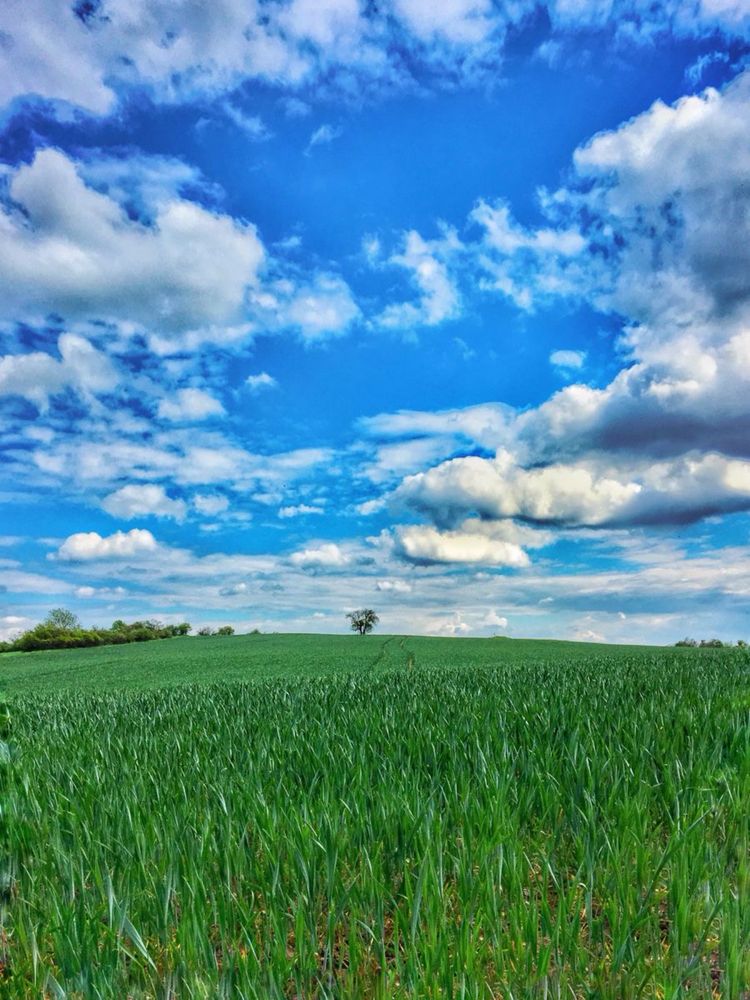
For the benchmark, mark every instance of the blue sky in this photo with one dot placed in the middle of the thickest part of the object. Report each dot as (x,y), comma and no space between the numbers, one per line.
(439,309)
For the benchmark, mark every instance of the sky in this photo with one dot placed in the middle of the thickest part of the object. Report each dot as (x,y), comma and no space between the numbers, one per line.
(441,309)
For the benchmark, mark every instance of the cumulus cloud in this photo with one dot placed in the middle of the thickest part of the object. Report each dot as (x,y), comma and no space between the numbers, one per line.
(528,266)
(439,299)
(672,182)
(89,55)
(190,404)
(69,249)
(425,544)
(498,488)
(54,57)
(494,620)
(317,308)
(455,625)
(321,309)
(665,196)
(12,626)
(37,376)
(328,555)
(587,493)
(86,546)
(143,181)
(143,500)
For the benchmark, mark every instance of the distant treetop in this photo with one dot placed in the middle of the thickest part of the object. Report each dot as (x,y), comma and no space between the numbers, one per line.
(363,621)
(63,619)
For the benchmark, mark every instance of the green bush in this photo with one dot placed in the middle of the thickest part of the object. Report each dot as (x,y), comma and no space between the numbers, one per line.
(51,634)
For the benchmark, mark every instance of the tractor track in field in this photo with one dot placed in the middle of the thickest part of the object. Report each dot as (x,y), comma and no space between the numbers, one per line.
(410,658)
(381,655)
(408,654)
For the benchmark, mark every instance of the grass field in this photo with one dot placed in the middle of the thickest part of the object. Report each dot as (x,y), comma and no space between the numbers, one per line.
(320,817)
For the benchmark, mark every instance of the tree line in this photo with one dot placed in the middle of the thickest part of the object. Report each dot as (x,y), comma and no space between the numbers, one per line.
(62,629)
(709,643)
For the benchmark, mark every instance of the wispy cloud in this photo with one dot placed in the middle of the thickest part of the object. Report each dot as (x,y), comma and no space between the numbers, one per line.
(260,381)
(323,136)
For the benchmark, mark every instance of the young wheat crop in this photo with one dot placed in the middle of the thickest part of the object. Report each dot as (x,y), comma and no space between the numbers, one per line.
(500,826)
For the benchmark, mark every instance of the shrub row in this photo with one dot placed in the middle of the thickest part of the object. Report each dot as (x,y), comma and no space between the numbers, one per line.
(48,635)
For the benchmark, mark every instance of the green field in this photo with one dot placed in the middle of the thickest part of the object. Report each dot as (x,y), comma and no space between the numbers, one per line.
(392,817)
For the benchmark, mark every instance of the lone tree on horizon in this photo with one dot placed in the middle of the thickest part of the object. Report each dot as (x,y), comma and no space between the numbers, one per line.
(363,621)
(63,619)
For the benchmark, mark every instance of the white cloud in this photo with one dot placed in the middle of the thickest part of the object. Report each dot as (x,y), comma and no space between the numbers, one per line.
(317,308)
(529,266)
(585,493)
(190,404)
(294,107)
(439,297)
(411,440)
(395,459)
(460,21)
(494,620)
(393,587)
(12,625)
(323,136)
(568,361)
(260,381)
(505,235)
(90,545)
(695,71)
(423,543)
(588,635)
(183,51)
(298,510)
(252,126)
(210,504)
(54,56)
(66,248)
(143,500)
(104,454)
(37,376)
(651,226)
(322,309)
(486,424)
(327,555)
(329,23)
(455,625)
